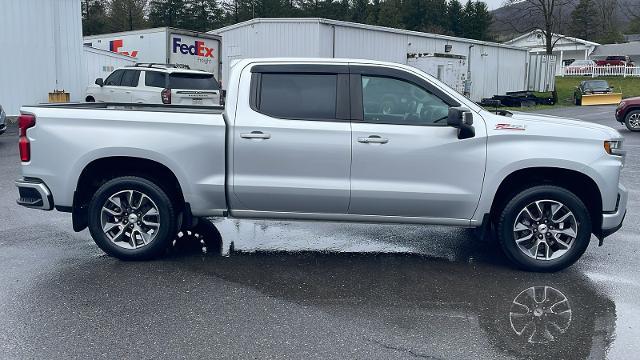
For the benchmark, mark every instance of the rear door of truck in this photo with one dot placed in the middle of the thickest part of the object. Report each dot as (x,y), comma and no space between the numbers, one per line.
(292,140)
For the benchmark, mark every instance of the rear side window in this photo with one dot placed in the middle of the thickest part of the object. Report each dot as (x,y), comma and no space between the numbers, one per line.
(298,96)
(193,81)
(155,79)
(115,78)
(130,78)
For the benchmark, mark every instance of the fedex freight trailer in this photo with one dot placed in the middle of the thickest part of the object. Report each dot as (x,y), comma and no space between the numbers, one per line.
(164,45)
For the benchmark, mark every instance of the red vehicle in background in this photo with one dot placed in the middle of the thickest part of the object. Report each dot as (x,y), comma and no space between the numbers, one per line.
(628,113)
(618,60)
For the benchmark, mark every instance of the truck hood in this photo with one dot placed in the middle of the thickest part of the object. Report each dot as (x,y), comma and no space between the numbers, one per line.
(556,121)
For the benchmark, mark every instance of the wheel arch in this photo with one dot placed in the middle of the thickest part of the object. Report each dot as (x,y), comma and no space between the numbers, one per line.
(101,170)
(629,110)
(580,184)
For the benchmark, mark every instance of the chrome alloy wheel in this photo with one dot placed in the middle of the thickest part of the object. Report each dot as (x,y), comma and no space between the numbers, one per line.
(634,120)
(545,230)
(130,219)
(539,314)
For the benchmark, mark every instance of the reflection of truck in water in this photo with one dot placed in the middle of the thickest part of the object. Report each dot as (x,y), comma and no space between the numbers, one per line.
(164,45)
(526,316)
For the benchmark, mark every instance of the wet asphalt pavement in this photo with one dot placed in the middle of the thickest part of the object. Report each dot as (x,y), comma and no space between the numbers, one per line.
(313,290)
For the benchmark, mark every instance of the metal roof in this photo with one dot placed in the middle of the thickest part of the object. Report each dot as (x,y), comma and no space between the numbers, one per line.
(254,21)
(630,48)
(570,38)
(107,53)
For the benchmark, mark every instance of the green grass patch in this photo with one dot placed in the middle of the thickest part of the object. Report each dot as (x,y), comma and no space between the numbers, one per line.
(629,87)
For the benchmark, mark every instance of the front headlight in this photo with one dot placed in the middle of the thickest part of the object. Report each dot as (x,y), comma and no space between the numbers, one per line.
(614,147)
(621,104)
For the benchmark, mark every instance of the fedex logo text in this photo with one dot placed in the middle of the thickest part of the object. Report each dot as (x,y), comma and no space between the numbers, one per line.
(115,45)
(197,49)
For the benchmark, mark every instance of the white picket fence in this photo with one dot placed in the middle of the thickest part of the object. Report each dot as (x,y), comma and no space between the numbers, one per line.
(595,71)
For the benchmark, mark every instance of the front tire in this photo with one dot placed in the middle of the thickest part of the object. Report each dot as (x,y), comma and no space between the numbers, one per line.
(632,120)
(544,228)
(131,218)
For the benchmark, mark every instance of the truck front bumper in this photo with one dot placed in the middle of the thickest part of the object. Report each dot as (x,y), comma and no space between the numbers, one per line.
(612,221)
(34,194)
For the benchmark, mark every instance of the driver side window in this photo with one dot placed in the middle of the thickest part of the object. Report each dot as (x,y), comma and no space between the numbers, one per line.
(393,101)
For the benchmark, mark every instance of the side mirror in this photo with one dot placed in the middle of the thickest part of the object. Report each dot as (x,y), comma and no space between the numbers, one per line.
(461,119)
(100,82)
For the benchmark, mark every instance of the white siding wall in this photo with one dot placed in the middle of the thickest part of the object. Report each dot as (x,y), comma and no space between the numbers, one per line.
(270,40)
(41,42)
(501,69)
(100,63)
(374,45)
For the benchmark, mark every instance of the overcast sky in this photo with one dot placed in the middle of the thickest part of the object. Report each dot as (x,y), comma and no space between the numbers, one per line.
(493,4)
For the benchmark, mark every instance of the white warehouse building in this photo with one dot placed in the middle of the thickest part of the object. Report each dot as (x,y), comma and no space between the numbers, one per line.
(41,42)
(42,51)
(494,68)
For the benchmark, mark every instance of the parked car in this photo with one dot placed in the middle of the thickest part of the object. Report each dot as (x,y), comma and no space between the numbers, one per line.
(580,67)
(628,113)
(3,121)
(591,87)
(303,139)
(616,61)
(156,84)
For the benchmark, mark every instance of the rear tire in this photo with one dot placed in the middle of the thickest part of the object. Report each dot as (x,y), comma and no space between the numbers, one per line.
(553,244)
(90,99)
(632,120)
(131,218)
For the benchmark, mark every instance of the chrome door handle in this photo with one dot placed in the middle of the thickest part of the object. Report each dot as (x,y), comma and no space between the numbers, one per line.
(373,139)
(255,135)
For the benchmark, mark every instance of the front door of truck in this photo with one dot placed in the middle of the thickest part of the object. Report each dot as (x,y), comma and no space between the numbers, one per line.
(292,140)
(406,161)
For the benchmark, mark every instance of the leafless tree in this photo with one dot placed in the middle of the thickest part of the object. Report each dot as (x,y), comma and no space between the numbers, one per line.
(549,16)
(607,10)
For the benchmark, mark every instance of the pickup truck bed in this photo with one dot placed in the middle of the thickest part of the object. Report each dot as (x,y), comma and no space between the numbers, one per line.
(178,137)
(219,109)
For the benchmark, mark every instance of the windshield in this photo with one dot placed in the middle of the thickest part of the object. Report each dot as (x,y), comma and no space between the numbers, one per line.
(193,81)
(596,85)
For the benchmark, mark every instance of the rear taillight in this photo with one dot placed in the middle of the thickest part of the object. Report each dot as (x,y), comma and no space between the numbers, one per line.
(25,121)
(166,96)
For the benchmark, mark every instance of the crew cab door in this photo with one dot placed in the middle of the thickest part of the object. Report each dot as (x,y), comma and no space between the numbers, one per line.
(406,161)
(292,140)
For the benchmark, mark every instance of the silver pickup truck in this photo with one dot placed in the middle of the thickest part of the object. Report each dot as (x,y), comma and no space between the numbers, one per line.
(332,140)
